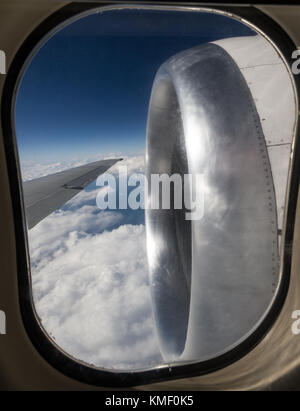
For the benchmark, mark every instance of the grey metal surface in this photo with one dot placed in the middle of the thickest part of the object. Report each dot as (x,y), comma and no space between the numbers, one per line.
(202,118)
(44,195)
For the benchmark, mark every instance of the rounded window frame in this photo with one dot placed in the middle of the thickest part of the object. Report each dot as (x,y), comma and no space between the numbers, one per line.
(59,359)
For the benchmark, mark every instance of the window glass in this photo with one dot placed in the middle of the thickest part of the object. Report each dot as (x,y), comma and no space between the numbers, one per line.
(134,93)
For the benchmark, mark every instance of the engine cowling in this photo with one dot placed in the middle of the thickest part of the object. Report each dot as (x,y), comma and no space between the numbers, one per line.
(213,278)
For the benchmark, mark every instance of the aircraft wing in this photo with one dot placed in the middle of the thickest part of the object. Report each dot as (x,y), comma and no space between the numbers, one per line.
(46,194)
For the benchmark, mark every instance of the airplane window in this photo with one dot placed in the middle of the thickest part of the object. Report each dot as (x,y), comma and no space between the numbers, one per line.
(155,150)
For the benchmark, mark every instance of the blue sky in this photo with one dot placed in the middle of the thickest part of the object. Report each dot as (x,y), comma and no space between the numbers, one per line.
(86,91)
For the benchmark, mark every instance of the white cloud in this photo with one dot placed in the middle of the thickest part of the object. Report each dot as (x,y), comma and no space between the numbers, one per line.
(133,164)
(90,283)
(31,170)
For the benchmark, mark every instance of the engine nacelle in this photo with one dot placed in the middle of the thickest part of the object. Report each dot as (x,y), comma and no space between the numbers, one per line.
(212,279)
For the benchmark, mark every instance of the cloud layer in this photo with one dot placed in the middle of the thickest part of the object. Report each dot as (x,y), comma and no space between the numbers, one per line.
(90,281)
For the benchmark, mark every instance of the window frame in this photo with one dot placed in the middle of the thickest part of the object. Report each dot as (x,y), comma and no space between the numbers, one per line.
(60,360)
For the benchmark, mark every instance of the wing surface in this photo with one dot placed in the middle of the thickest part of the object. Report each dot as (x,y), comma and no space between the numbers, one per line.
(46,194)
